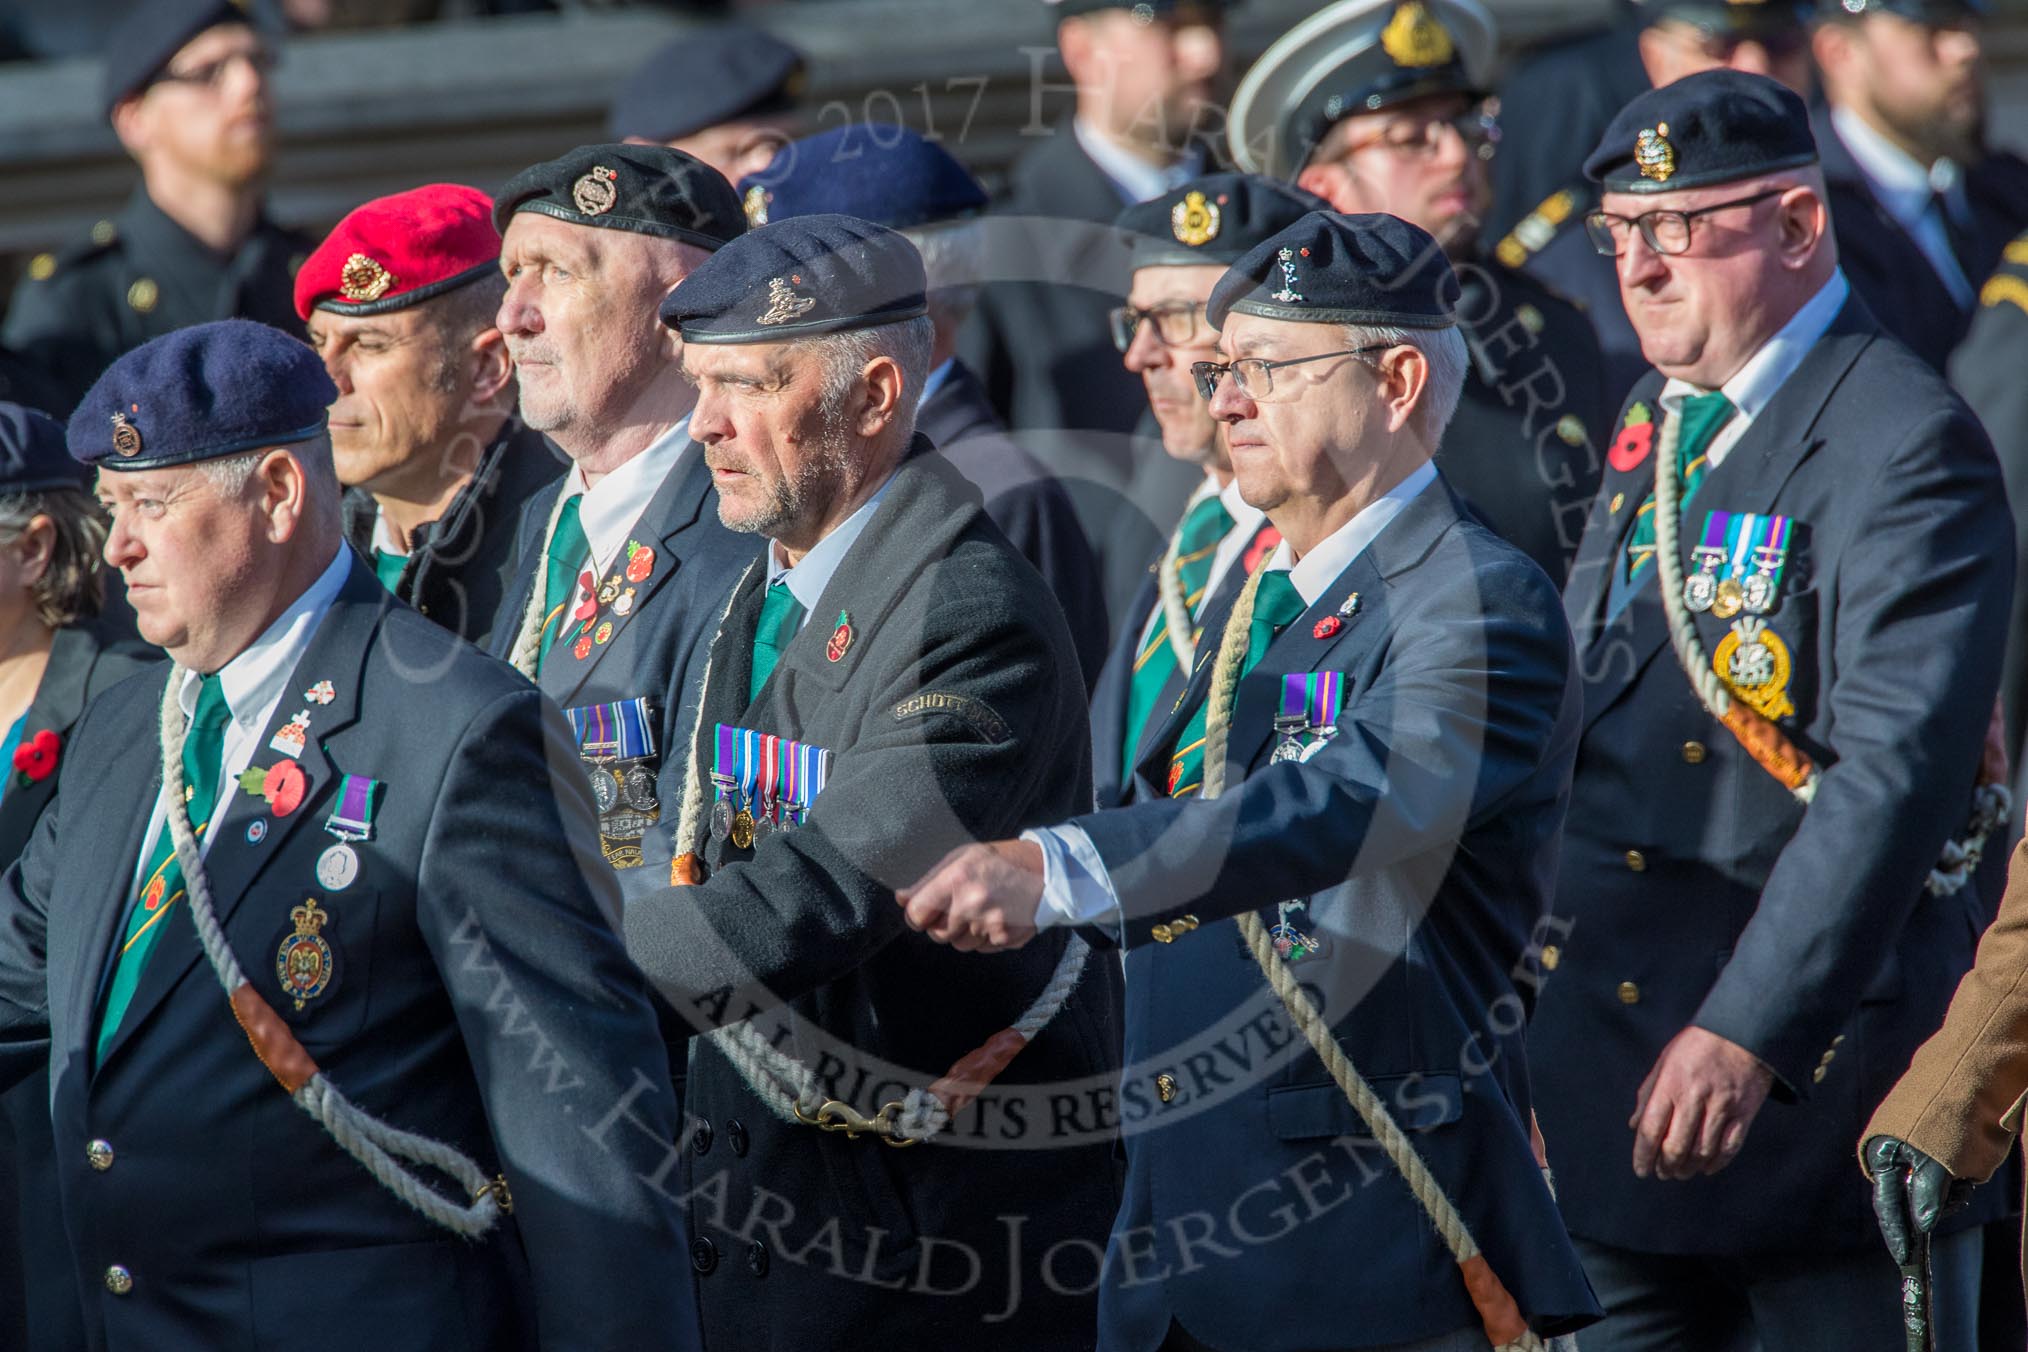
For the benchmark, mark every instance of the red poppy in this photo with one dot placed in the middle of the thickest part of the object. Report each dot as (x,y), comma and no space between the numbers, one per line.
(841,641)
(284,787)
(1263,545)
(36,757)
(1327,626)
(1632,446)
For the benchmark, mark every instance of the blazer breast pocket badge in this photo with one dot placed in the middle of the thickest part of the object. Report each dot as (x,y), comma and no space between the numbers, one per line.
(1740,560)
(1307,717)
(762,783)
(616,742)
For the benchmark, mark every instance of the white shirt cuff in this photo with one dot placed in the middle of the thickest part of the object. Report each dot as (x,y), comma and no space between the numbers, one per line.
(1076,889)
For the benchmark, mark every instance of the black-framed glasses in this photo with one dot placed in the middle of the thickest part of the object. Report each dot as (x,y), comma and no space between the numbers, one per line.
(1176,322)
(1255,376)
(212,73)
(1666,232)
(1422,138)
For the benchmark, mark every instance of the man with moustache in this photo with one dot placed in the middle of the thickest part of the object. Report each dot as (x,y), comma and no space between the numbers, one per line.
(186,91)
(1375,105)
(1922,207)
(1327,1098)
(1182,243)
(623,561)
(401,300)
(1785,605)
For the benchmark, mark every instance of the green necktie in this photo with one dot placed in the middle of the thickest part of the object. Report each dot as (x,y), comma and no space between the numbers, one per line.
(162,882)
(1196,547)
(1701,418)
(389,568)
(781,615)
(567,548)
(1275,605)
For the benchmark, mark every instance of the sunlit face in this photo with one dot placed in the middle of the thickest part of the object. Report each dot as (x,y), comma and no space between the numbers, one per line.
(779,463)
(401,395)
(208,112)
(1189,432)
(1411,161)
(1154,78)
(188,553)
(1300,441)
(1923,82)
(740,147)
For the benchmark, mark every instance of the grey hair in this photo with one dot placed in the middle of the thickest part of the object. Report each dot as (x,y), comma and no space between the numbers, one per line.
(1444,351)
(953,255)
(230,474)
(845,357)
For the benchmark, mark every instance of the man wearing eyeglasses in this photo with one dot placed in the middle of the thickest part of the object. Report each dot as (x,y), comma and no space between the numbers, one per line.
(1785,605)
(1375,105)
(1181,243)
(186,90)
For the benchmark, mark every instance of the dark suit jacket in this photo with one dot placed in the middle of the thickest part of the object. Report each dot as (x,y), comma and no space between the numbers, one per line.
(479,997)
(466,560)
(1696,889)
(654,650)
(39,1305)
(1423,838)
(1026,503)
(941,606)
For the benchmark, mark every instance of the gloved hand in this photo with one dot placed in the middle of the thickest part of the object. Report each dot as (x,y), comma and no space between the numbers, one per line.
(1911,1192)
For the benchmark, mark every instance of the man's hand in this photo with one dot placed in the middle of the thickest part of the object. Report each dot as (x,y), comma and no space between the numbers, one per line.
(1694,1108)
(1911,1193)
(980,898)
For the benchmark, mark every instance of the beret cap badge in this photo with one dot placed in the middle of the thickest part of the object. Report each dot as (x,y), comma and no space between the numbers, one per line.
(363,279)
(1194,221)
(1414,38)
(126,436)
(594,192)
(1653,153)
(784,304)
(756,205)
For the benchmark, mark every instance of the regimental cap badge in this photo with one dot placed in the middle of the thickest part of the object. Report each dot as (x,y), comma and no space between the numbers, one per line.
(1414,38)
(126,436)
(363,279)
(594,192)
(1653,153)
(756,204)
(1288,294)
(784,304)
(1194,221)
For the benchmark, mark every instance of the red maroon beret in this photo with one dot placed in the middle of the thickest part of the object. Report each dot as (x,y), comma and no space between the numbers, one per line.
(398,251)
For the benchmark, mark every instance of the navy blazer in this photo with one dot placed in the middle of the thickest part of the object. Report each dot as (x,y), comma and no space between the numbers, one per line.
(1422,836)
(1696,889)
(479,996)
(654,650)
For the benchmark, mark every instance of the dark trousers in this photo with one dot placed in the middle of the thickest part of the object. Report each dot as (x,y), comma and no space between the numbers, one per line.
(1464,1340)
(40,1309)
(1842,1301)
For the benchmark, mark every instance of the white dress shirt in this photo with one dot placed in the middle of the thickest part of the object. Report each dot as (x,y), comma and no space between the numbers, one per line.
(255,684)
(1135,178)
(609,510)
(935,380)
(1908,190)
(808,578)
(1076,888)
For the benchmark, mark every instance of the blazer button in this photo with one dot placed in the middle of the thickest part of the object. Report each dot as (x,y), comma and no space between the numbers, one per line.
(1551,956)
(1165,1086)
(1163,934)
(119,1281)
(735,1136)
(99,1154)
(1619,501)
(1630,994)
(757,1259)
(700,1140)
(703,1255)
(1817,1075)
(1636,861)
(1693,753)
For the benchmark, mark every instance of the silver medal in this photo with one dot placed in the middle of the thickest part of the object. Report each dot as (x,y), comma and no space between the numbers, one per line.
(337,867)
(1758,594)
(1699,591)
(721,819)
(605,789)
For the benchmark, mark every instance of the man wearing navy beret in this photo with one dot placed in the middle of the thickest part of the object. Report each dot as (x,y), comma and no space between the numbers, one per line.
(622,561)
(186,90)
(893,177)
(318,870)
(725,94)
(890,679)
(1330,863)
(1786,601)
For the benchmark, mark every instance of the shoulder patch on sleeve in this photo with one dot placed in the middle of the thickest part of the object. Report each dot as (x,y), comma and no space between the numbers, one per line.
(977,713)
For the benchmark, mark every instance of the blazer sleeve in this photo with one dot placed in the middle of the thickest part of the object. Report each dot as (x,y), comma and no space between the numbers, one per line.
(519,912)
(1959,1101)
(1923,581)
(24,950)
(1473,702)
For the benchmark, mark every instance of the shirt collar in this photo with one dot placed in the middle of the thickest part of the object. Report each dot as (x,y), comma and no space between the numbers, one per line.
(1320,567)
(1898,179)
(808,578)
(611,507)
(935,380)
(1755,384)
(1246,517)
(1134,177)
(253,681)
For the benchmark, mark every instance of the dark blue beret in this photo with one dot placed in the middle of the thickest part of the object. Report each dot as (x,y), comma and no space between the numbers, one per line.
(1155,9)
(32,454)
(1329,268)
(1218,218)
(806,275)
(1758,19)
(879,173)
(1935,13)
(199,393)
(650,190)
(152,32)
(1717,126)
(703,78)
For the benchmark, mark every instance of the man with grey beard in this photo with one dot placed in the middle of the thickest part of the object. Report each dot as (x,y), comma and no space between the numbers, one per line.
(623,561)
